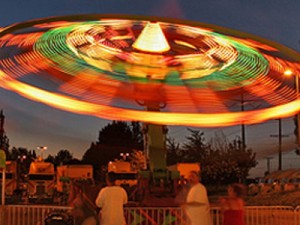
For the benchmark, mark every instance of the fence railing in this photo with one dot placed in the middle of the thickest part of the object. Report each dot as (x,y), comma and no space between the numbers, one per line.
(154,216)
(27,214)
(254,215)
(271,215)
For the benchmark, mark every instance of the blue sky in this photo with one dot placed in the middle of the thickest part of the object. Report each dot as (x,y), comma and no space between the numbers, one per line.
(30,124)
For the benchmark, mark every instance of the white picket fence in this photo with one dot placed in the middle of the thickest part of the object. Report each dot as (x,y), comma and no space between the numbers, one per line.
(255,215)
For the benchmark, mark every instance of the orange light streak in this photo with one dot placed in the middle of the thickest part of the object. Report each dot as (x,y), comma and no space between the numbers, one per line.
(113,113)
(24,64)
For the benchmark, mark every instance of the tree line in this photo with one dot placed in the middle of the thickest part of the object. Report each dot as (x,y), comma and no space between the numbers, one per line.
(222,161)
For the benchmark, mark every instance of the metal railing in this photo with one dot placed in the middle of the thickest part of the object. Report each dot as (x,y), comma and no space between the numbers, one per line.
(271,215)
(154,215)
(254,215)
(27,214)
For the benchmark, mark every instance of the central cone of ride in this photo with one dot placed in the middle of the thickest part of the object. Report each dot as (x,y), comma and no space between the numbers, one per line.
(152,39)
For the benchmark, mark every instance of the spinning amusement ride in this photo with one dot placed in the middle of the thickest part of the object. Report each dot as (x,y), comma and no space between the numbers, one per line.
(154,70)
(183,73)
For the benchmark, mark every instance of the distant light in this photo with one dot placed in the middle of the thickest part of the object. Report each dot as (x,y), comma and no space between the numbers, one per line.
(288,72)
(152,39)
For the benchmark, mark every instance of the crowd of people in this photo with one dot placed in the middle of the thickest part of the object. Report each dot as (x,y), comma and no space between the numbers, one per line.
(112,198)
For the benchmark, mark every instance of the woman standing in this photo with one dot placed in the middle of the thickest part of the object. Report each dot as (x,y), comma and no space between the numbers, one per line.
(232,206)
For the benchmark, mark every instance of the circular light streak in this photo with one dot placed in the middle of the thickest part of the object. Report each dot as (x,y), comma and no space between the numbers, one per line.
(113,67)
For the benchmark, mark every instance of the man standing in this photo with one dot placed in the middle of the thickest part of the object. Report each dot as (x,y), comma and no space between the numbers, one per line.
(111,200)
(197,204)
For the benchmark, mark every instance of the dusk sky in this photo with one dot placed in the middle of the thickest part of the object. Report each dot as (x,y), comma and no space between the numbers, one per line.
(30,124)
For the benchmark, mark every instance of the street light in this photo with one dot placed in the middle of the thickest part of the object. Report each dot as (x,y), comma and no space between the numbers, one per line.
(42,149)
(20,168)
(288,73)
(124,155)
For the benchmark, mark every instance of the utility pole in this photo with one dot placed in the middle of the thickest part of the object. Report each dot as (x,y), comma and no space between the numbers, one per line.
(280,144)
(4,141)
(243,125)
(289,72)
(298,114)
(279,136)
(268,164)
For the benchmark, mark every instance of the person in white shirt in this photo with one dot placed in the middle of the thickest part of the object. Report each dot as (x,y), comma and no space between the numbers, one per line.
(111,200)
(197,205)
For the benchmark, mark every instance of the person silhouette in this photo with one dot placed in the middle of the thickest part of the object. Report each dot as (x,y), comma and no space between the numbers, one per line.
(111,200)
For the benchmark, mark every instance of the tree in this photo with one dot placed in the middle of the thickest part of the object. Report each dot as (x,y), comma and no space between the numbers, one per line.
(296,132)
(15,153)
(196,148)
(50,158)
(222,161)
(63,157)
(229,164)
(23,157)
(137,135)
(138,160)
(115,138)
(118,133)
(245,158)
(173,151)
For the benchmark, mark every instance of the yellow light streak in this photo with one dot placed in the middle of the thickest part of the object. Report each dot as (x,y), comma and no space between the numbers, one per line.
(114,113)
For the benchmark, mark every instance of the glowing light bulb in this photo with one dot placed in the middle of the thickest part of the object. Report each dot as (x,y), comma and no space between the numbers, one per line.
(288,72)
